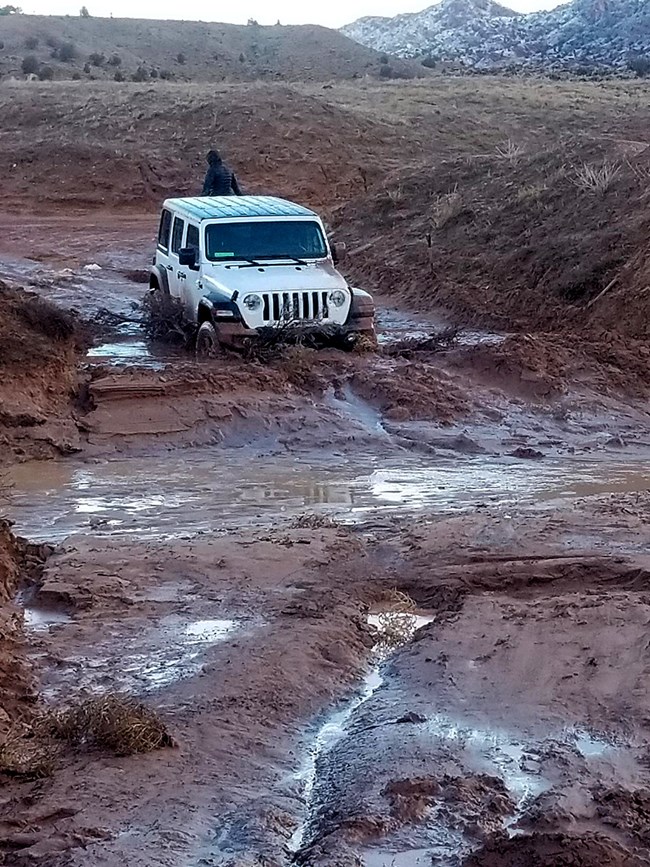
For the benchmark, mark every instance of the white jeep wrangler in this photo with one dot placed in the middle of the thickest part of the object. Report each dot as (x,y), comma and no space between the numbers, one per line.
(239,264)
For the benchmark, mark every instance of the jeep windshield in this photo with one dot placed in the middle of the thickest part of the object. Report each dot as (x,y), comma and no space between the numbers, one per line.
(260,240)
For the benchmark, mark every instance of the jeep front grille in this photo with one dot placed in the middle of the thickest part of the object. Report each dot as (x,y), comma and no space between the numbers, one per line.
(291,306)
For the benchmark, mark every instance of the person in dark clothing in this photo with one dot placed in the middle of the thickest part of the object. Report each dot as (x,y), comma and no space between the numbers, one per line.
(220,180)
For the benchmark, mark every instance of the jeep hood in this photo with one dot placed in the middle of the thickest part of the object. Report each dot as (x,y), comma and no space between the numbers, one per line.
(229,279)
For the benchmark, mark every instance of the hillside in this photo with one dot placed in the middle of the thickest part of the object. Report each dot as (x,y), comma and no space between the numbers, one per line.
(494,174)
(106,48)
(583,34)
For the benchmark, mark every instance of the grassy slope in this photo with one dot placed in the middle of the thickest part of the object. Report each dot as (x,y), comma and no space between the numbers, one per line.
(189,50)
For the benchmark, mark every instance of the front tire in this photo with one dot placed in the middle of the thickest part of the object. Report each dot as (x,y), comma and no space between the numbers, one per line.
(207,341)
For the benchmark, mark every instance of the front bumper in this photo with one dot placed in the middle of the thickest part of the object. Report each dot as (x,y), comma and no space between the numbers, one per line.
(238,335)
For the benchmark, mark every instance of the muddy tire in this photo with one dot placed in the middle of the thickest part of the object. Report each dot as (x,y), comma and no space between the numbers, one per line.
(207,341)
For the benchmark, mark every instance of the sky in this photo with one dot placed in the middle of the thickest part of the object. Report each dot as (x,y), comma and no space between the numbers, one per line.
(331,13)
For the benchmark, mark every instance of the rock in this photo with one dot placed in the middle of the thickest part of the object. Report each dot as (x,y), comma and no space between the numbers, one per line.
(412,717)
(527,454)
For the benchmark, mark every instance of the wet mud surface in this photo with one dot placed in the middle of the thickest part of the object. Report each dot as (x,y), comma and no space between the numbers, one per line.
(228,541)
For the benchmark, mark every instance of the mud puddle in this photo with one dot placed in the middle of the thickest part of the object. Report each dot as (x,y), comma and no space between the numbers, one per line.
(395,325)
(170,650)
(190,491)
(131,350)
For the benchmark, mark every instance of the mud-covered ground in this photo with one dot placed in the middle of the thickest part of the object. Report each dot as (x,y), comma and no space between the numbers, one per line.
(228,539)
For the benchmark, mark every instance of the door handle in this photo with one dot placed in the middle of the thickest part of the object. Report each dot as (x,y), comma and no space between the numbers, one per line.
(181,275)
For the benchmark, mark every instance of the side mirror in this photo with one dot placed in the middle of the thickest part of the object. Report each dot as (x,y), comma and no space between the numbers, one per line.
(339,253)
(188,256)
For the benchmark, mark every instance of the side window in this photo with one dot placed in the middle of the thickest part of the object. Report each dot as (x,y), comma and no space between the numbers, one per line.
(177,234)
(192,239)
(163,231)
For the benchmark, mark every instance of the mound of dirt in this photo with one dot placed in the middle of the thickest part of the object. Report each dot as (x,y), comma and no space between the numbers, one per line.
(412,391)
(101,48)
(521,239)
(38,351)
(131,147)
(553,850)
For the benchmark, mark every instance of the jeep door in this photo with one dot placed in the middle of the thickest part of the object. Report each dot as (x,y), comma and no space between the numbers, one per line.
(164,240)
(175,272)
(190,292)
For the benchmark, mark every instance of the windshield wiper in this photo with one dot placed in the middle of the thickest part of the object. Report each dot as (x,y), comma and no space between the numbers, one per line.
(250,263)
(271,264)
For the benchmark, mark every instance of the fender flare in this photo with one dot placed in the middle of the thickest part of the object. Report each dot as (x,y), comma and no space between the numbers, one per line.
(159,275)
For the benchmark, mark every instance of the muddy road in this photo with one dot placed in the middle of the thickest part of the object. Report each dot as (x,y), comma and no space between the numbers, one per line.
(393,608)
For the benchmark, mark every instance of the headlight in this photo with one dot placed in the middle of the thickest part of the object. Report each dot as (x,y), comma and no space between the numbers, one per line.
(337,298)
(252,302)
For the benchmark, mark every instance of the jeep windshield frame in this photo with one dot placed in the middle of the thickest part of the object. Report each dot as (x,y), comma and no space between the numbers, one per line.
(265,240)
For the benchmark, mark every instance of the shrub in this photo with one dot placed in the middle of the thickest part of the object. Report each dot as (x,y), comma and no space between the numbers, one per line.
(447,209)
(10,10)
(596,180)
(87,68)
(96,59)
(153,73)
(52,42)
(429,62)
(510,151)
(242,58)
(76,76)
(2,45)
(66,52)
(84,13)
(119,76)
(30,65)
(180,58)
(31,43)
(140,74)
(640,66)
(115,60)
(163,318)
(166,75)
(383,60)
(46,73)
(112,722)
(386,71)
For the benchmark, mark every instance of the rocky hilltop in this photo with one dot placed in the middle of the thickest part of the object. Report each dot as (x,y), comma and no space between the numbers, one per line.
(483,34)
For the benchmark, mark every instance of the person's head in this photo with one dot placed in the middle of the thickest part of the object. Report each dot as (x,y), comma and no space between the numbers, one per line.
(214,158)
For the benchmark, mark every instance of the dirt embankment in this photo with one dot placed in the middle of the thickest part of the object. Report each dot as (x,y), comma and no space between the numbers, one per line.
(132,146)
(18,560)
(38,377)
(520,239)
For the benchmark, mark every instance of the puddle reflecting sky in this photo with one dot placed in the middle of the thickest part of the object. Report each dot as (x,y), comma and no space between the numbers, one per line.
(163,654)
(208,489)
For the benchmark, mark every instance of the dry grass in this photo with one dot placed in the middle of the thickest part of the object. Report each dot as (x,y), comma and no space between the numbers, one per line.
(396,623)
(596,179)
(112,722)
(26,756)
(163,319)
(510,151)
(119,724)
(313,522)
(447,208)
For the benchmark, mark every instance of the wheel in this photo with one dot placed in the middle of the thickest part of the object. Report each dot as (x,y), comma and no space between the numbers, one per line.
(207,341)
